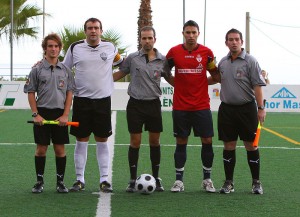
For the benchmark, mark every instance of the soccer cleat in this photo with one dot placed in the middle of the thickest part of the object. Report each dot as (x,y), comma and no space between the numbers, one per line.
(61,188)
(208,186)
(227,187)
(159,187)
(131,186)
(105,187)
(77,186)
(178,186)
(38,187)
(257,187)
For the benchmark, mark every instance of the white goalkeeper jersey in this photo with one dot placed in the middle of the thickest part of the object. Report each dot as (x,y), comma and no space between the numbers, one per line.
(93,68)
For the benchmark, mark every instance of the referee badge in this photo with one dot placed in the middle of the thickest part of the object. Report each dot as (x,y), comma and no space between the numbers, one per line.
(61,83)
(156,74)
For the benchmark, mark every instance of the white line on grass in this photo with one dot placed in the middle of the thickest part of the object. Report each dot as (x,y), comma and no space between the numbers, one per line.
(104,201)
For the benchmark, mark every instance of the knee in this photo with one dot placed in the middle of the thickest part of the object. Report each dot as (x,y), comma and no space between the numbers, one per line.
(59,151)
(206,140)
(41,150)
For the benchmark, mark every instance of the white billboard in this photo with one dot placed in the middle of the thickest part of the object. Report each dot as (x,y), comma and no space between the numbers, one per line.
(280,98)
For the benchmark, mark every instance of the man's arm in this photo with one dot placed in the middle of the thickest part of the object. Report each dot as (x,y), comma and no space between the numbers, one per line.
(260,103)
(167,74)
(215,77)
(33,106)
(170,79)
(32,102)
(213,71)
(118,75)
(118,60)
(65,116)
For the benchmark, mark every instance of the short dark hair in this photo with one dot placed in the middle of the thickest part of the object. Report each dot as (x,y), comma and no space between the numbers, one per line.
(233,31)
(52,36)
(93,20)
(191,23)
(147,28)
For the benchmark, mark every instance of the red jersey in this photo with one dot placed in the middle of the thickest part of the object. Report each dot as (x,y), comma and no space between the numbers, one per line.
(190,82)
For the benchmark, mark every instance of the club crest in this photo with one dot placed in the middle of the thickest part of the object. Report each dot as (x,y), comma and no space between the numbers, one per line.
(103,56)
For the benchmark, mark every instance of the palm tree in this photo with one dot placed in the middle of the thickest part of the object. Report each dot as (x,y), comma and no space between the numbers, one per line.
(22,14)
(145,17)
(68,36)
(115,37)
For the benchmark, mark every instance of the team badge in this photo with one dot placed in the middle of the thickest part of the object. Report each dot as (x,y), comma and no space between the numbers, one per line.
(199,58)
(103,56)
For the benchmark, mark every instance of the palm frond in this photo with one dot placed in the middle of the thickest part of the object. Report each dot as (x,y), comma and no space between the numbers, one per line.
(23,13)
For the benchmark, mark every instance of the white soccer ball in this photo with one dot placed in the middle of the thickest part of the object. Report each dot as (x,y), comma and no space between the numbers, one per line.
(145,184)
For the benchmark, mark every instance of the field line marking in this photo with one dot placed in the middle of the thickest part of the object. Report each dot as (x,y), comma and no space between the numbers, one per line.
(104,201)
(281,136)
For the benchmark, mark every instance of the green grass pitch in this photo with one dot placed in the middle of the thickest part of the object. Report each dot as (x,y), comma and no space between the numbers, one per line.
(280,175)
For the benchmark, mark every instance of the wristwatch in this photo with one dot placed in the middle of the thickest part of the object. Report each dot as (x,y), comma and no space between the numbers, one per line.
(34,114)
(261,107)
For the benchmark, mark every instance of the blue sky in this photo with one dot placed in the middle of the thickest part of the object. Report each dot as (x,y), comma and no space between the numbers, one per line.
(274,28)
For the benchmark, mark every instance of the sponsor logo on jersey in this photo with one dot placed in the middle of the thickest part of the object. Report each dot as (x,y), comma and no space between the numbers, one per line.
(189,57)
(200,66)
(189,71)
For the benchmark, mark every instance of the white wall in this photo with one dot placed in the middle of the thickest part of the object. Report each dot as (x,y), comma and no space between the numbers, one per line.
(280,98)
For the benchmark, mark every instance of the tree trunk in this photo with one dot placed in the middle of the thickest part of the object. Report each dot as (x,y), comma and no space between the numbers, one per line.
(145,18)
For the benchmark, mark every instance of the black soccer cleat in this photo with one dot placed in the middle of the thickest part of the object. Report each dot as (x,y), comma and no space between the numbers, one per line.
(131,186)
(38,187)
(105,187)
(61,188)
(227,187)
(159,187)
(77,186)
(257,187)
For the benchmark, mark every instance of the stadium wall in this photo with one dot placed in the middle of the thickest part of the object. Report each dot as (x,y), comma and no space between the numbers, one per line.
(280,98)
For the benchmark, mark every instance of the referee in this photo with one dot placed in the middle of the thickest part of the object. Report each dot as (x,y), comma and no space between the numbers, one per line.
(241,109)
(53,83)
(146,67)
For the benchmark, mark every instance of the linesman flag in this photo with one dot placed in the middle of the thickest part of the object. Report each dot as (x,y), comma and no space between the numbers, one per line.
(257,136)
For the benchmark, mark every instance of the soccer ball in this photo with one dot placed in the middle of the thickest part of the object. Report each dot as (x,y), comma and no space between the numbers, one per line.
(145,184)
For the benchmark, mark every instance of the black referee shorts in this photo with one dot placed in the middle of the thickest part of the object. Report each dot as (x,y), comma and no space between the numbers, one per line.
(93,115)
(45,133)
(144,112)
(237,121)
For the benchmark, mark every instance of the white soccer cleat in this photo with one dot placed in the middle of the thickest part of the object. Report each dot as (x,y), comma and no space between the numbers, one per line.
(178,186)
(208,186)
